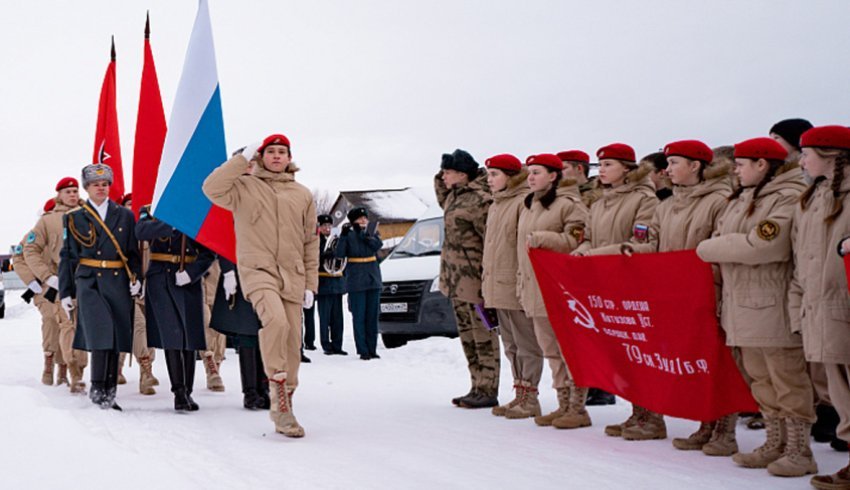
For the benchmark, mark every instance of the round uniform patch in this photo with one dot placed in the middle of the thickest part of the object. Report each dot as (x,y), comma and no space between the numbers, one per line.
(577,232)
(19,249)
(767,230)
(31,237)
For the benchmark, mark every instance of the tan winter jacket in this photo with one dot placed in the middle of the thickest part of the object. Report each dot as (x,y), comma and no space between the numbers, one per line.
(277,247)
(690,215)
(559,228)
(498,282)
(20,264)
(42,251)
(463,249)
(614,217)
(818,298)
(754,255)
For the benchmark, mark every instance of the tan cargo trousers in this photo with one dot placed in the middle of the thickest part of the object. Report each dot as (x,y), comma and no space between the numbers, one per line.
(838,376)
(521,347)
(49,328)
(561,377)
(216,342)
(280,337)
(67,329)
(780,381)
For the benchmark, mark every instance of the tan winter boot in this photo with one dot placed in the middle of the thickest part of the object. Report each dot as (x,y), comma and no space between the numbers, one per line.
(529,405)
(62,375)
(576,415)
(121,358)
(836,481)
(47,374)
(650,426)
(214,381)
(768,452)
(500,410)
(146,376)
(563,405)
(797,459)
(616,430)
(723,442)
(281,408)
(697,440)
(78,387)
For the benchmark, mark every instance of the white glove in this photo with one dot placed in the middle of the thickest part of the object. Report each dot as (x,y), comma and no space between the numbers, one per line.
(135,288)
(53,282)
(250,150)
(35,287)
(229,284)
(308,299)
(68,305)
(182,278)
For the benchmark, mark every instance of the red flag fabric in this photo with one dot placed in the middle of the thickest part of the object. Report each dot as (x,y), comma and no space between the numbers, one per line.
(643,327)
(150,132)
(107,147)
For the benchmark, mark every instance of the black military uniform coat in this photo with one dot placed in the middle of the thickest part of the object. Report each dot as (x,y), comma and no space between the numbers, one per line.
(358,244)
(237,316)
(175,314)
(104,305)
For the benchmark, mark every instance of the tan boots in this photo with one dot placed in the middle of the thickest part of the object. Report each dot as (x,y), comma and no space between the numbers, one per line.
(697,440)
(214,381)
(576,415)
(146,378)
(723,441)
(836,481)
(500,410)
(649,425)
(281,407)
(47,373)
(62,375)
(528,405)
(78,387)
(797,459)
(616,430)
(563,406)
(121,358)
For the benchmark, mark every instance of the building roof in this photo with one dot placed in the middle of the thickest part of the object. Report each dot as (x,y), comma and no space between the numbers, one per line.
(385,205)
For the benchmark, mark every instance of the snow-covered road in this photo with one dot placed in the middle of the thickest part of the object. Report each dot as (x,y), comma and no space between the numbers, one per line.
(379,424)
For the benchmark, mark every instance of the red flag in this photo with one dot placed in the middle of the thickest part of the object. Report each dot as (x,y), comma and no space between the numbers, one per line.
(150,131)
(645,328)
(107,147)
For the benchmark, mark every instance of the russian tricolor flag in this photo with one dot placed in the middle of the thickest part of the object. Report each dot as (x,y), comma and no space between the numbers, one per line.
(194,147)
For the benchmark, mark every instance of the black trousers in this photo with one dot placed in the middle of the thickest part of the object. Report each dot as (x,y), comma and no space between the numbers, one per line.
(330,321)
(309,327)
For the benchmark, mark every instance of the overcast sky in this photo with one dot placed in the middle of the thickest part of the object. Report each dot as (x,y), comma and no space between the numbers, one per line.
(372,92)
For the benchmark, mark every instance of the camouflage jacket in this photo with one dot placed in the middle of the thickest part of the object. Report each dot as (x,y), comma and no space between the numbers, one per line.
(465,211)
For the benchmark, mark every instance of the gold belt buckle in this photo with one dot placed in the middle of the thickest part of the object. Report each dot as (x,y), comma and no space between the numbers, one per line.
(103,264)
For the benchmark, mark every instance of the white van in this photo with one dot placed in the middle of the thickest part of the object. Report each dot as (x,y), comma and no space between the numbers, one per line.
(412,306)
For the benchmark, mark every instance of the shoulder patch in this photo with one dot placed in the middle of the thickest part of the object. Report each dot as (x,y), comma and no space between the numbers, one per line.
(641,232)
(19,249)
(577,232)
(31,237)
(767,230)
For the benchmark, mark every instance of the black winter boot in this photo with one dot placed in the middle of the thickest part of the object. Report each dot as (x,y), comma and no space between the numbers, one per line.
(596,397)
(189,372)
(111,385)
(248,373)
(174,363)
(262,382)
(824,429)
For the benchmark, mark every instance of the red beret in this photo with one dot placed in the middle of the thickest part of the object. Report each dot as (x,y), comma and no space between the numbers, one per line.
(693,149)
(767,148)
(66,182)
(574,156)
(49,205)
(547,160)
(617,151)
(504,162)
(275,139)
(827,137)
(127,197)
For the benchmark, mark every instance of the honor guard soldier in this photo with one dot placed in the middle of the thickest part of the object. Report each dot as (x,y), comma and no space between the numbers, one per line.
(99,267)
(174,301)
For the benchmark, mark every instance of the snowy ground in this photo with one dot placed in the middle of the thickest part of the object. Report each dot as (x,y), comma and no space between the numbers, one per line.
(380,424)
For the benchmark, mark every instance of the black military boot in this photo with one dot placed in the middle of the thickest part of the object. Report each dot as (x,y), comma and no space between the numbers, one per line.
(596,397)
(824,429)
(479,400)
(111,385)
(189,372)
(98,377)
(248,373)
(174,363)
(262,382)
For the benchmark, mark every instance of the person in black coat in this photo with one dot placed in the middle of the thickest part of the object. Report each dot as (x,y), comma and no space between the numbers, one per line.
(331,289)
(233,315)
(174,301)
(99,266)
(359,244)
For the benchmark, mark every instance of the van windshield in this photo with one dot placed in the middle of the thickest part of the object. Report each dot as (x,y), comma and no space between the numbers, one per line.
(424,238)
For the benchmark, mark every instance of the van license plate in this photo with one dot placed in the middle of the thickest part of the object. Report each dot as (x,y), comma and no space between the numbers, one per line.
(393,307)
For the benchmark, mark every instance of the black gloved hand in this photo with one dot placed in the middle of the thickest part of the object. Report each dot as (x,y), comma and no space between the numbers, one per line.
(345,229)
(50,295)
(27,296)
(356,227)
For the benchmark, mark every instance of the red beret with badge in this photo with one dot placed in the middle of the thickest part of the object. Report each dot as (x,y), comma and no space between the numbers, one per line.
(275,139)
(574,156)
(756,148)
(691,149)
(547,160)
(504,161)
(837,137)
(66,183)
(617,151)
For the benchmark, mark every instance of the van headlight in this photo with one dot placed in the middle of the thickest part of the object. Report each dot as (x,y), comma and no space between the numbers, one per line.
(435,285)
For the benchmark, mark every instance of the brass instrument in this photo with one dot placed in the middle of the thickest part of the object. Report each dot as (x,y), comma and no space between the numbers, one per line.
(332,265)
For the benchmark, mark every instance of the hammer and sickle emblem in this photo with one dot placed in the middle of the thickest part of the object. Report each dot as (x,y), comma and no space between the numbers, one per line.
(582,318)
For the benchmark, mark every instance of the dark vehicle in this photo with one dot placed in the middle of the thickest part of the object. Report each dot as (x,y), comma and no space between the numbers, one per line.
(412,306)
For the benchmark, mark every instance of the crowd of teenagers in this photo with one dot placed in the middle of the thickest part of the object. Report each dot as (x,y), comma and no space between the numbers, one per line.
(768,213)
